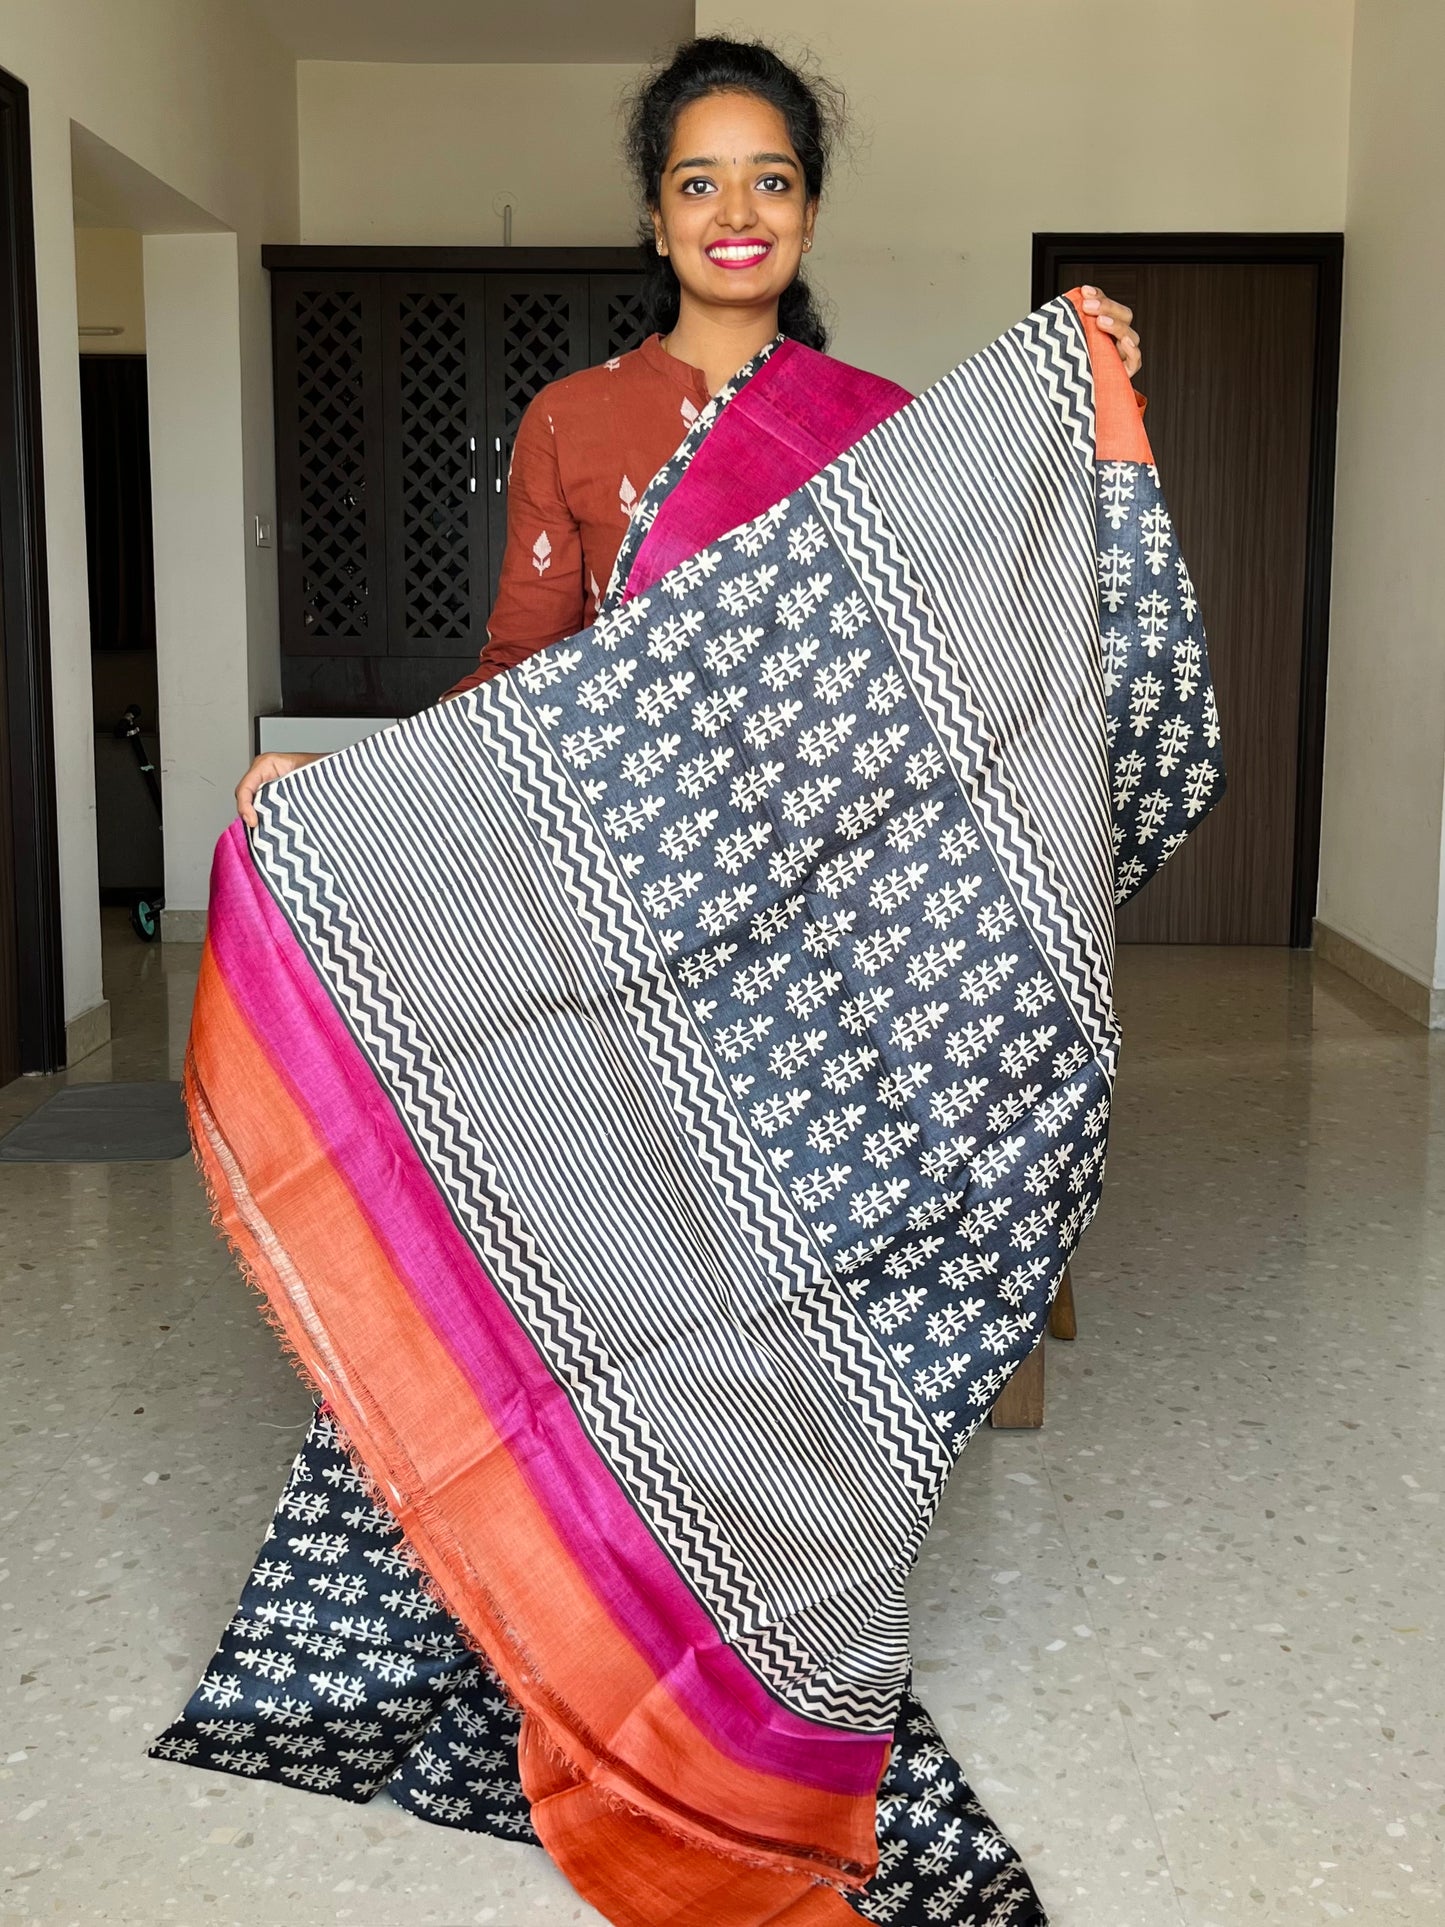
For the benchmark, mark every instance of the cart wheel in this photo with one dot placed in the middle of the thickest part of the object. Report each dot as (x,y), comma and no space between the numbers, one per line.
(145,919)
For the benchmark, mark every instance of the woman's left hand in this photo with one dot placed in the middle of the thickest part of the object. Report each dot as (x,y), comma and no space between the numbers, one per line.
(1116,320)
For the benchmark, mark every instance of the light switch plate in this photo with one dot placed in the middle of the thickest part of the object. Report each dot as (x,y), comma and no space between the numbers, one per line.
(263,531)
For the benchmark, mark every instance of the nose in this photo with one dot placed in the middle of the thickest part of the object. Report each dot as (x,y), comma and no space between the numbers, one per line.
(735,208)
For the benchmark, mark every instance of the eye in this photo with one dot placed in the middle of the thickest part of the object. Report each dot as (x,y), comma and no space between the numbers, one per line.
(775,183)
(699,181)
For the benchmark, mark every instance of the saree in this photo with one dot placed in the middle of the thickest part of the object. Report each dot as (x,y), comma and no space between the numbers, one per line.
(659,1091)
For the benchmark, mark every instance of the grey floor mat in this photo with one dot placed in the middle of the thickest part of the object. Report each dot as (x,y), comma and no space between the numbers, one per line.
(101,1124)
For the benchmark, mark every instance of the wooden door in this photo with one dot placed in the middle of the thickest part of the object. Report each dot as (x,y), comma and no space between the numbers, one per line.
(1233,352)
(538,329)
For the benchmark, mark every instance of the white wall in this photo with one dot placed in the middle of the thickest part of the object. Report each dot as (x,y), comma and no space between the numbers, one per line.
(109,289)
(1380,881)
(979,122)
(197,94)
(197,437)
(417,154)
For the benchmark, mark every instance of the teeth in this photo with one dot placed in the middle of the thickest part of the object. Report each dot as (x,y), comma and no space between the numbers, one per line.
(745,253)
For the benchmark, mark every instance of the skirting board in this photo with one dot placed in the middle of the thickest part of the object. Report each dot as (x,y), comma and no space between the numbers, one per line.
(1396,986)
(87,1032)
(183,926)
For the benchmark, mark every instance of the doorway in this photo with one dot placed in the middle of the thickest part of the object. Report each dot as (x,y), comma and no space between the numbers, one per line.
(115,441)
(1241,338)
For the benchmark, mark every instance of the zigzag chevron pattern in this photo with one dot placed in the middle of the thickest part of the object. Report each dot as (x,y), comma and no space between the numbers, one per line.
(794,1648)
(1053,340)
(437,1120)
(916,1461)
(627,949)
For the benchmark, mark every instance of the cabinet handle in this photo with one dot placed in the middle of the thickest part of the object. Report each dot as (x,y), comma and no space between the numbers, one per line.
(497,463)
(471,464)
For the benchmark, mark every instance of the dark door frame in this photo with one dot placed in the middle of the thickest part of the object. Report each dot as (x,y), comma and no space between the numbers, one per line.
(24,605)
(1325,253)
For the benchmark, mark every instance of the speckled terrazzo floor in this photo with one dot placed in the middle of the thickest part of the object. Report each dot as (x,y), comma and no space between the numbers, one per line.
(1185,1639)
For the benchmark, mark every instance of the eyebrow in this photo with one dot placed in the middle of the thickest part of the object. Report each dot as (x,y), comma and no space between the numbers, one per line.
(754,160)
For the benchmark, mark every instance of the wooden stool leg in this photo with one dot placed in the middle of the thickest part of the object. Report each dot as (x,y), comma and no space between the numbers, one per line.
(1020,1405)
(1062,1322)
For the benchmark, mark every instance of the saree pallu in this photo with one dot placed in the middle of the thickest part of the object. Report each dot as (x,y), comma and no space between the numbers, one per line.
(659,1091)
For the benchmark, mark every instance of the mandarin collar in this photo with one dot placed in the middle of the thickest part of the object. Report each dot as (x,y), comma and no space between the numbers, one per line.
(692,381)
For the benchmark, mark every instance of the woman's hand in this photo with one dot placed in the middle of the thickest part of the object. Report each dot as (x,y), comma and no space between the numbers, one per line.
(1116,320)
(274,763)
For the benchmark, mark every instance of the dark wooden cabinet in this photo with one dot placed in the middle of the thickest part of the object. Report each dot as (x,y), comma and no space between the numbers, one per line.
(401,375)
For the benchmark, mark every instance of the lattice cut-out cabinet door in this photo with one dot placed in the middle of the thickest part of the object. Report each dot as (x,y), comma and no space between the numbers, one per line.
(538,329)
(437,513)
(330,466)
(617,315)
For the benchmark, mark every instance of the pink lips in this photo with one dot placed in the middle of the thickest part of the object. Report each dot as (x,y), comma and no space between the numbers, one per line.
(750,255)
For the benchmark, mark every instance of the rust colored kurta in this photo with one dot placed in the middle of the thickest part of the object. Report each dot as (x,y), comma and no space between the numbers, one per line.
(586,448)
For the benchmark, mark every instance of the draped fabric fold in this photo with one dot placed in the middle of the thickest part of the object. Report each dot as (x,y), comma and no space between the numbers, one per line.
(658,1093)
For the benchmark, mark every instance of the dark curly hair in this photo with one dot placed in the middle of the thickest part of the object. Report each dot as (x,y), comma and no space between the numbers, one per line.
(812,108)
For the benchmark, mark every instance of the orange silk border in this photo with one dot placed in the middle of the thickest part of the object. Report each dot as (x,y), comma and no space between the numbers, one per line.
(293,1218)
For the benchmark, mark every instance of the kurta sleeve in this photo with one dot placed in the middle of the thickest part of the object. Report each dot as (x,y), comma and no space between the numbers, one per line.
(542,593)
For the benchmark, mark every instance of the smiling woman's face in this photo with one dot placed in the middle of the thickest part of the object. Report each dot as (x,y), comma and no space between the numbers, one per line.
(733,214)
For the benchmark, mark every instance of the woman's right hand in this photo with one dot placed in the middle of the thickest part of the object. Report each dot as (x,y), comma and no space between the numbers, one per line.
(273,763)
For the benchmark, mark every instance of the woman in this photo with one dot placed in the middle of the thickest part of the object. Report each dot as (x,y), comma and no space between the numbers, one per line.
(340,1672)
(729,148)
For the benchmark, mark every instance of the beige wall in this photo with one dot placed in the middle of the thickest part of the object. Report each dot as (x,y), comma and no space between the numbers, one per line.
(109,289)
(197,438)
(197,95)
(979,122)
(418,154)
(1380,881)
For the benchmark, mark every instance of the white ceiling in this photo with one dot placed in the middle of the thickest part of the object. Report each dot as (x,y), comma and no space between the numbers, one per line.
(484,30)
